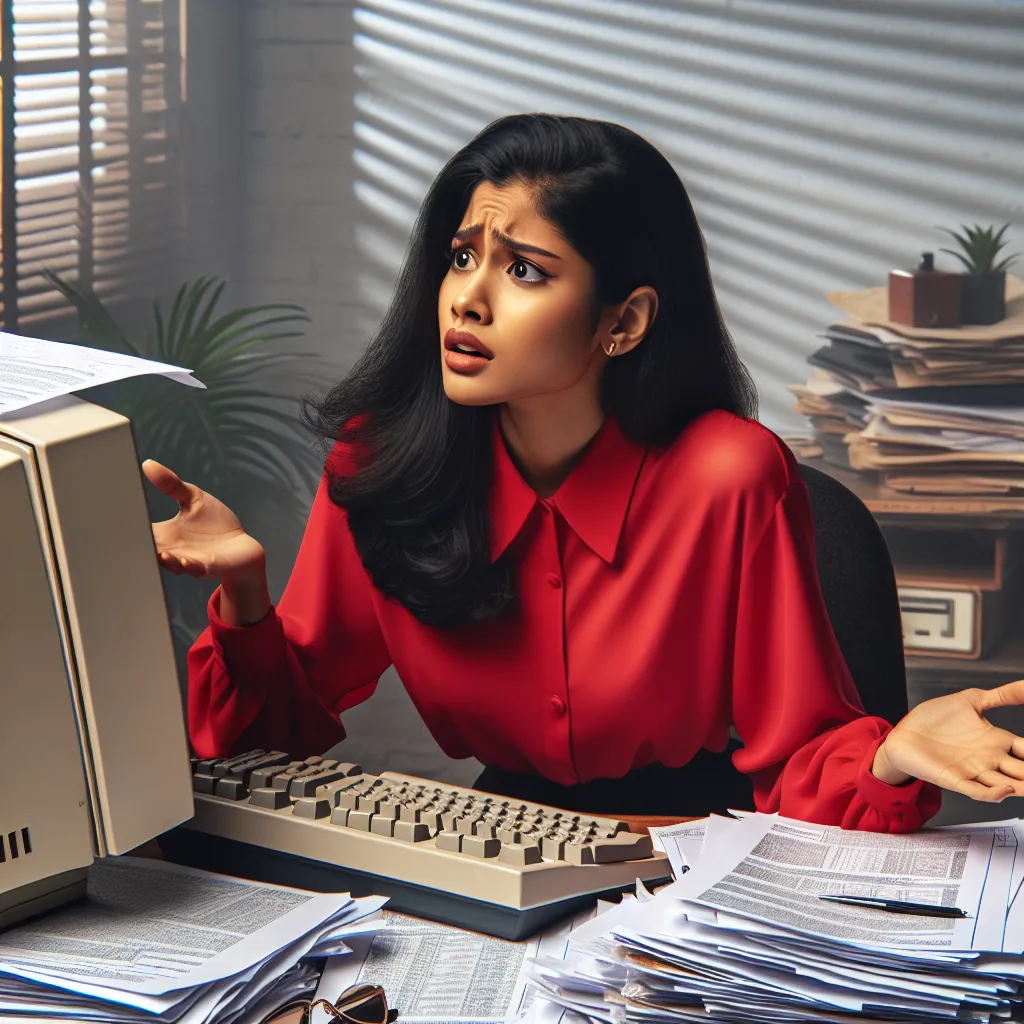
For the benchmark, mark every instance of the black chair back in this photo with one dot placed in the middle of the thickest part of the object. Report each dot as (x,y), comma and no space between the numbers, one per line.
(859,588)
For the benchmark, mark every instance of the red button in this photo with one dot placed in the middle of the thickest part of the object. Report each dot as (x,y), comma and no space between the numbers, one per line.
(555,581)
(559,705)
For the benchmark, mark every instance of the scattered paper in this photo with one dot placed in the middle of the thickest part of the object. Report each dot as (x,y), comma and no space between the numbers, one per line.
(741,935)
(682,843)
(32,371)
(154,939)
(435,972)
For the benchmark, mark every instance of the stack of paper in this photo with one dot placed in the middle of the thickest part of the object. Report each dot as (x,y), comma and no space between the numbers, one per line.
(743,936)
(159,942)
(932,411)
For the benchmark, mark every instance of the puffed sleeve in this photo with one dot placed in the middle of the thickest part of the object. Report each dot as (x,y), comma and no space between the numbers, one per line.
(808,744)
(281,683)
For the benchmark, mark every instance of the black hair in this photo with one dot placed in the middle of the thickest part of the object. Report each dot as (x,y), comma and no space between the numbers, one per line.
(417,499)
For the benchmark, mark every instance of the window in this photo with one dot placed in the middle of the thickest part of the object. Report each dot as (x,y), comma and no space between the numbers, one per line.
(86,147)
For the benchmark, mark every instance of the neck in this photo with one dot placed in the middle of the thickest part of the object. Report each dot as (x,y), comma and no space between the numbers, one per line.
(546,440)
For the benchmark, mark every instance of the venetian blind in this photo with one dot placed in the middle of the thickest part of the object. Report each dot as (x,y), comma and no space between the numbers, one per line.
(86,183)
(821,141)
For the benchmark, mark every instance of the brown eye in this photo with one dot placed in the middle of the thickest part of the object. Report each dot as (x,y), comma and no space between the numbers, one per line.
(521,267)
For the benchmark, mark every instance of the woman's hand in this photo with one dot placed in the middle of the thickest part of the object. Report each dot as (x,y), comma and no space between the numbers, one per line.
(948,741)
(205,539)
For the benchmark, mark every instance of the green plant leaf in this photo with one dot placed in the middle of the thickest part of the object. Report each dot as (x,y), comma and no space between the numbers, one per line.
(1007,262)
(963,259)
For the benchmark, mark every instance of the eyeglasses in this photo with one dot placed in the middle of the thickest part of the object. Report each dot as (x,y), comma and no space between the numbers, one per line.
(360,1004)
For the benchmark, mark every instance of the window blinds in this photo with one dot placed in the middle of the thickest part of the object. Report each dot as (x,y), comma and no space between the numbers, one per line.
(87,183)
(822,143)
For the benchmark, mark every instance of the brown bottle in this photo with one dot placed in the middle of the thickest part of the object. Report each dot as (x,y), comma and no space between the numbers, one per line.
(924,297)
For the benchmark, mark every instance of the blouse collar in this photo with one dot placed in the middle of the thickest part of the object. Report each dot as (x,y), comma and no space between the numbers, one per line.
(593,499)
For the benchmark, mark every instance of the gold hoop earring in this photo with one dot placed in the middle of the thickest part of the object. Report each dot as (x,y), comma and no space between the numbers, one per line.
(611,348)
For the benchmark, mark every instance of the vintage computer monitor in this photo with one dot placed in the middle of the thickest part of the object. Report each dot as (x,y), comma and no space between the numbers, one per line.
(93,747)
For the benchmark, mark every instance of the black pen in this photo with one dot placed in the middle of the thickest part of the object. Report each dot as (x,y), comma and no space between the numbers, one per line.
(897,906)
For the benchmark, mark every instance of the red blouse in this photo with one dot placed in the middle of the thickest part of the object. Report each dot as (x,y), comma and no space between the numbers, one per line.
(664,595)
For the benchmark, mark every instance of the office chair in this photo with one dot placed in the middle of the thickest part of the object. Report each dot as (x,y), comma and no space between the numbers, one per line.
(858,585)
(859,588)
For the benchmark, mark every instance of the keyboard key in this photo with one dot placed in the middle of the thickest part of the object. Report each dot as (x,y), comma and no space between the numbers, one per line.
(552,849)
(261,777)
(624,846)
(411,832)
(232,788)
(578,853)
(203,782)
(311,807)
(516,853)
(360,819)
(447,840)
(477,846)
(381,825)
(267,796)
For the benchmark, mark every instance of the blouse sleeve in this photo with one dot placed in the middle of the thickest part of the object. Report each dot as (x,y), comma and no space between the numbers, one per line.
(282,682)
(808,743)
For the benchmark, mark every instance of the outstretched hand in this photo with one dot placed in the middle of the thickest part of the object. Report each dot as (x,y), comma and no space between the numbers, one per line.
(948,741)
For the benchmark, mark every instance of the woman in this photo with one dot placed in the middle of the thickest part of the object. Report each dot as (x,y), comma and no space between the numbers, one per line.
(548,503)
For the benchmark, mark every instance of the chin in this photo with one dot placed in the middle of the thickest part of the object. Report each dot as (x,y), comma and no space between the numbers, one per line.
(468,390)
(460,394)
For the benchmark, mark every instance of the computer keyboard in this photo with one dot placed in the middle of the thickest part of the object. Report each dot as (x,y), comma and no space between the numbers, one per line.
(481,861)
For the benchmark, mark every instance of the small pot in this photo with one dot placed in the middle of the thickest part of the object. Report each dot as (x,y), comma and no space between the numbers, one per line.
(983,298)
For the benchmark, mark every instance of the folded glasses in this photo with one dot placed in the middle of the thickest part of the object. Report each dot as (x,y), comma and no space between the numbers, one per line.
(360,1004)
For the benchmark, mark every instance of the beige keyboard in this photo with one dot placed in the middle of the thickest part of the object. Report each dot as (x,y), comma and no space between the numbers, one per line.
(458,855)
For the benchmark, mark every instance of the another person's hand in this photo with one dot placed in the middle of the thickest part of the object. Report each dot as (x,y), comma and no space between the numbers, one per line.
(205,539)
(948,741)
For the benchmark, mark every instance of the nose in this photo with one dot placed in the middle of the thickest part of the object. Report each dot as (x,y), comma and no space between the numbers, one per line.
(470,303)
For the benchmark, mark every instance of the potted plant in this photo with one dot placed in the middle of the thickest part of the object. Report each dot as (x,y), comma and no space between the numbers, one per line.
(240,438)
(983,285)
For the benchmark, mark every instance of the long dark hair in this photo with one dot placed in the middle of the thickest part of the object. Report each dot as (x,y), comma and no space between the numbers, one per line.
(417,500)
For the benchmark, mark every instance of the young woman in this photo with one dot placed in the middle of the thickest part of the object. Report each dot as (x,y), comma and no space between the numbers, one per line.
(547,502)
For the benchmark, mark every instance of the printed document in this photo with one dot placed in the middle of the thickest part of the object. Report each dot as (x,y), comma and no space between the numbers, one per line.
(32,370)
(772,870)
(149,928)
(435,972)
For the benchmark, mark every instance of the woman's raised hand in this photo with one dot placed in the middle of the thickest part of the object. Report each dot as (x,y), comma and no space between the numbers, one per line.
(948,741)
(205,539)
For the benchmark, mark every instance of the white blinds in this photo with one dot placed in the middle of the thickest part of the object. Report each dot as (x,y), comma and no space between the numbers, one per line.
(86,196)
(821,142)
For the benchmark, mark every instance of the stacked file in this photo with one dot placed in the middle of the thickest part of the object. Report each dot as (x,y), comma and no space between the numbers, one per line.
(743,934)
(930,411)
(161,943)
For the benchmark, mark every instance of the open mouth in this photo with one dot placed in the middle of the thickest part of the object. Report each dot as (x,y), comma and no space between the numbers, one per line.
(469,351)
(462,344)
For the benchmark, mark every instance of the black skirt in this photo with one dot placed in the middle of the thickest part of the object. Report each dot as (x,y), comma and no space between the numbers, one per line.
(708,784)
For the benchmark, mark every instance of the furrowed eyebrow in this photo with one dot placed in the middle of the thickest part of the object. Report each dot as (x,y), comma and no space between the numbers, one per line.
(509,243)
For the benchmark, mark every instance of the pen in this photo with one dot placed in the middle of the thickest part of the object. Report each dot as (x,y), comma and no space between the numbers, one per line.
(897,906)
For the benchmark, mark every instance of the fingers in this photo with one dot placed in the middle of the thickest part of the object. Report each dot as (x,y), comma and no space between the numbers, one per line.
(986,794)
(1000,696)
(179,564)
(168,481)
(1012,768)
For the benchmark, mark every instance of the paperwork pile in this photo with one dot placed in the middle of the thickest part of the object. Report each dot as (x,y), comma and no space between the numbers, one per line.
(932,411)
(163,943)
(742,936)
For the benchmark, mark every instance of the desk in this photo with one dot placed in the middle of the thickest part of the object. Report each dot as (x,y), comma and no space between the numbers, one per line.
(934,676)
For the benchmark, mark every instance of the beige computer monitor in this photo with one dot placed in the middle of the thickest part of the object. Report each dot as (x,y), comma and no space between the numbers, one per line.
(93,749)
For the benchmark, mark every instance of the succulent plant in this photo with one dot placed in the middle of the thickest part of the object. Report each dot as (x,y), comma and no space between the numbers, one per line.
(981,246)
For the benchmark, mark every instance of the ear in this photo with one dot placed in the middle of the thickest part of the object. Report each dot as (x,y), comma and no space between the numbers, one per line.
(623,327)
